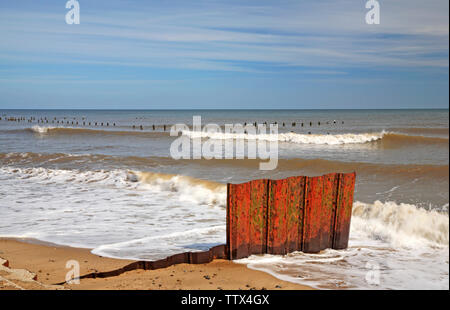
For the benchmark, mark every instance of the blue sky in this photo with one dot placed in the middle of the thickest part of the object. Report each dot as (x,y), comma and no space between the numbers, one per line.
(131,54)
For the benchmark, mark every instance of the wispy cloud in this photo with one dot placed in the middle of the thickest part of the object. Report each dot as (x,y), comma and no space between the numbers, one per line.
(326,34)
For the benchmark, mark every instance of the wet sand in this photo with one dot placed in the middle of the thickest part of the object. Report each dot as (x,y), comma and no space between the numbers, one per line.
(30,264)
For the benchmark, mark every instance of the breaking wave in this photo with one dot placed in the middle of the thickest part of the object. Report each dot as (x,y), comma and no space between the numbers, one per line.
(190,189)
(39,129)
(45,130)
(323,139)
(408,244)
(292,137)
(387,139)
(400,224)
(308,166)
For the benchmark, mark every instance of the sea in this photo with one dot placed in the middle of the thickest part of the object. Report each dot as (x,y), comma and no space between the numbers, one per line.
(106,180)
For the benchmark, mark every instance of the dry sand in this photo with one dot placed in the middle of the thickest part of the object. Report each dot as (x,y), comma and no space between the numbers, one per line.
(28,264)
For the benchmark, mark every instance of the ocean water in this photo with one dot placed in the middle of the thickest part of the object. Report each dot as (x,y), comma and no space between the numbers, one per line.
(99,180)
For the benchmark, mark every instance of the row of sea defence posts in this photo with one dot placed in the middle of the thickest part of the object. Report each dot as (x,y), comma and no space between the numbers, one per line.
(67,121)
(301,213)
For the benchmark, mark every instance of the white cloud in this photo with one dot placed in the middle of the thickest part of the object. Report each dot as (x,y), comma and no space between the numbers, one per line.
(329,35)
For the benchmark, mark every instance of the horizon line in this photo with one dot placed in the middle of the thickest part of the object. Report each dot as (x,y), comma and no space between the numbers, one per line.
(209,109)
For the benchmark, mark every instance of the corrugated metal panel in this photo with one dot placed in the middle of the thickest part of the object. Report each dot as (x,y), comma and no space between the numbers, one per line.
(306,214)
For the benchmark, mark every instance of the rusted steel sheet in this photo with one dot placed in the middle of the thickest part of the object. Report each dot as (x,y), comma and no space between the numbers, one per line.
(295,214)
(239,219)
(276,225)
(312,215)
(247,229)
(329,200)
(285,222)
(321,198)
(258,215)
(343,211)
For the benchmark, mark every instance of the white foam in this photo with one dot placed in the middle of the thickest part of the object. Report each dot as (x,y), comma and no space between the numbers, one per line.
(160,246)
(401,225)
(187,188)
(99,208)
(41,129)
(355,267)
(407,244)
(332,139)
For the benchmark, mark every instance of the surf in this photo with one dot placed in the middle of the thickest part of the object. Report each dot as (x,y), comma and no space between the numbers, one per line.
(384,138)
(52,130)
(324,139)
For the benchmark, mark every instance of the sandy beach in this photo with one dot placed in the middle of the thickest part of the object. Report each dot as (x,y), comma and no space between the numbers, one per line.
(30,264)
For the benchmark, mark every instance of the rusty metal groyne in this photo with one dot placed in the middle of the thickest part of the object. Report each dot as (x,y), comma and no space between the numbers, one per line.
(301,213)
(217,252)
(306,214)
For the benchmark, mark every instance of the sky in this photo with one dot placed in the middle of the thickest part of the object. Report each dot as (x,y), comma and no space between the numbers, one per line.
(259,54)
